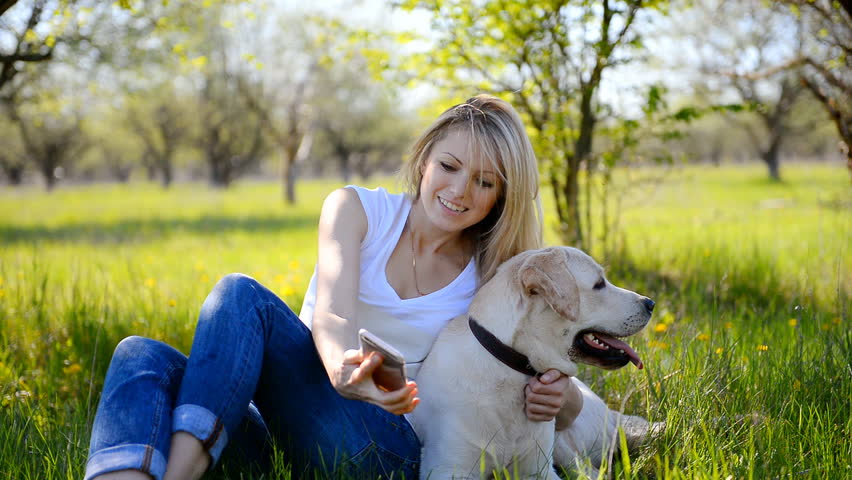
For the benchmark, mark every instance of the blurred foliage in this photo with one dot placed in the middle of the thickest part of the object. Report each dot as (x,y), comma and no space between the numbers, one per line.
(173,91)
(550,60)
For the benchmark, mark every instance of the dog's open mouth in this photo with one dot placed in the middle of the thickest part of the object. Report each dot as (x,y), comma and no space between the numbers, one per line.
(605,351)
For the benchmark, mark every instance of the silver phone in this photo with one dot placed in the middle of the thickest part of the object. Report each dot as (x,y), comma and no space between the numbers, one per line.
(390,375)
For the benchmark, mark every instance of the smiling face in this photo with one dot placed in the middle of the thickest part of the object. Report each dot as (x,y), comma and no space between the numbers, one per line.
(458,188)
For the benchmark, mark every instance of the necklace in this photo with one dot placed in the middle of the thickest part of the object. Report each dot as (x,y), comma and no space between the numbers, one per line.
(413,258)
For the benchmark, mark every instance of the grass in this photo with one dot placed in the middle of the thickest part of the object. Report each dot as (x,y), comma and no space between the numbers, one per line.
(751,278)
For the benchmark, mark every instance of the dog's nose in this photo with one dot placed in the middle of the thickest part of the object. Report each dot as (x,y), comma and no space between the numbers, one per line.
(649,304)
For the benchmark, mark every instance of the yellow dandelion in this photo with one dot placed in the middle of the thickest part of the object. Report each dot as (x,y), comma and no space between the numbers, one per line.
(762,348)
(729,325)
(660,327)
(172,302)
(792,322)
(150,283)
(72,369)
(703,337)
(656,344)
(199,266)
(294,265)
(204,278)
(719,350)
(797,384)
(280,278)
(825,326)
(835,320)
(287,290)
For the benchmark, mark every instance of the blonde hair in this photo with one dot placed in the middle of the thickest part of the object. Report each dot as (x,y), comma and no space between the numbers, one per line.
(497,134)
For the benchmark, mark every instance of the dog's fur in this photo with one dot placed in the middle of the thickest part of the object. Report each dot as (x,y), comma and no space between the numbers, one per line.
(472,405)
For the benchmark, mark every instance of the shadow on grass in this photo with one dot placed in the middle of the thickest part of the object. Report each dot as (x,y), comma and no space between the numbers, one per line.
(145,230)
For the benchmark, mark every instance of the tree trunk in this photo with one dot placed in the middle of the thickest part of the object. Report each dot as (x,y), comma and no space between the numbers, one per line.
(770,158)
(582,150)
(571,232)
(288,177)
(49,178)
(167,176)
(345,165)
(14,171)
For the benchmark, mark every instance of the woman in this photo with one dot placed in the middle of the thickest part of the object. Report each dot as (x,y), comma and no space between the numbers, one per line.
(399,265)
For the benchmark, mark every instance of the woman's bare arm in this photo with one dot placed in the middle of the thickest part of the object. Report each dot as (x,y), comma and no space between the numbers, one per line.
(342,227)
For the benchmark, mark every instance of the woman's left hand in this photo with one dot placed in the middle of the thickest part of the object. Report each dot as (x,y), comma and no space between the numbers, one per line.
(546,395)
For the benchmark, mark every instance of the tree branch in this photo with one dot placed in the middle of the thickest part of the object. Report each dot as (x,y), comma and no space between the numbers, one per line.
(26,57)
(5,5)
(842,124)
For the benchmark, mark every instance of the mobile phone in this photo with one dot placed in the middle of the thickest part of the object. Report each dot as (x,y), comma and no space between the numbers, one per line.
(390,375)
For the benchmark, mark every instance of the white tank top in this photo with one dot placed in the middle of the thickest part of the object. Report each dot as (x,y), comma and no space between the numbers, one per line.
(410,325)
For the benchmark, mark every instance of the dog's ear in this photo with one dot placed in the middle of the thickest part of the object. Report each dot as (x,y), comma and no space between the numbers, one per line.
(546,274)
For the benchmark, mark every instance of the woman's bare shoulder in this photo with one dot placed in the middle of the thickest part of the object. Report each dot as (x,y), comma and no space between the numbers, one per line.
(342,208)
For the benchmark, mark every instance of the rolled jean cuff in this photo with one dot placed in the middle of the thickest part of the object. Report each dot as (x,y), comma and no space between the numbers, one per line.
(203,425)
(134,456)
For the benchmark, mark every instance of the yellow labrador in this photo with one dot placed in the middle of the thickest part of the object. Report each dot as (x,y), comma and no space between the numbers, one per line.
(544,309)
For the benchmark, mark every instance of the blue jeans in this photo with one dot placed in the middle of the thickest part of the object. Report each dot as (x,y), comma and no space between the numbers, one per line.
(253,375)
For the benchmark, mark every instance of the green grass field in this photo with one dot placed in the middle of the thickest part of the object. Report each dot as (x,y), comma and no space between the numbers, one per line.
(752,281)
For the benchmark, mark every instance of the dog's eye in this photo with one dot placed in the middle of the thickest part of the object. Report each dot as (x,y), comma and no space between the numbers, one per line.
(601,284)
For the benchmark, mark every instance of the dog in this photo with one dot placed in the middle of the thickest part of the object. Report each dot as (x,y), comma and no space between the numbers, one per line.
(544,309)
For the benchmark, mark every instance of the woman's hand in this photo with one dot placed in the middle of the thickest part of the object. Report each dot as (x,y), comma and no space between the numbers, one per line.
(547,395)
(354,379)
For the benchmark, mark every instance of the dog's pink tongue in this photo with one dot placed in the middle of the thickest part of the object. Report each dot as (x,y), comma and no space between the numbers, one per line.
(617,344)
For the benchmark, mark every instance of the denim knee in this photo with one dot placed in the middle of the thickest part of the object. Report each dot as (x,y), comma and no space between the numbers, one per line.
(236,285)
(231,298)
(132,425)
(137,353)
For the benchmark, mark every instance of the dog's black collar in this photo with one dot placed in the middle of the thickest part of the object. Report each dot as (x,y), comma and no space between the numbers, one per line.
(506,354)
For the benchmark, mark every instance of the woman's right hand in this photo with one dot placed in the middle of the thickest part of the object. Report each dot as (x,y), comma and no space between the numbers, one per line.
(354,379)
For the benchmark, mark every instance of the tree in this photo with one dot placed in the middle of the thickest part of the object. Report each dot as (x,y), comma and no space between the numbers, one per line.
(28,46)
(826,61)
(550,58)
(51,139)
(822,62)
(732,38)
(156,118)
(231,136)
(360,120)
(286,122)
